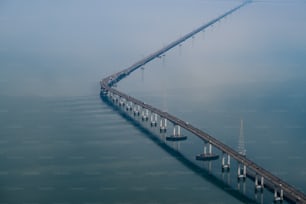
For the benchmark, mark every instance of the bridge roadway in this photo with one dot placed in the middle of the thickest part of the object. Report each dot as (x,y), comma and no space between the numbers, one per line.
(271,181)
(114,78)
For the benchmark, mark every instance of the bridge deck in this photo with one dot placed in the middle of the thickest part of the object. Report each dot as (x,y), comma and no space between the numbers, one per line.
(290,193)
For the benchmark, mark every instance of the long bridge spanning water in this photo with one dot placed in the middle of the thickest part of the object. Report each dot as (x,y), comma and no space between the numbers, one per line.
(246,168)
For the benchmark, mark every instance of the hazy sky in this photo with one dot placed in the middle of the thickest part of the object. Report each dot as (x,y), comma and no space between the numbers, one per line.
(52,45)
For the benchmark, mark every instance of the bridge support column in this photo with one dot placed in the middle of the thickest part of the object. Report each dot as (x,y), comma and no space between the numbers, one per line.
(176,136)
(278,195)
(153,120)
(241,172)
(209,148)
(117,98)
(145,115)
(129,106)
(207,156)
(259,184)
(121,102)
(226,164)
(104,92)
(163,125)
(137,110)
(113,97)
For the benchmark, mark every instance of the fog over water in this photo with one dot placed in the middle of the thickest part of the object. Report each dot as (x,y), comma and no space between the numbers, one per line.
(60,143)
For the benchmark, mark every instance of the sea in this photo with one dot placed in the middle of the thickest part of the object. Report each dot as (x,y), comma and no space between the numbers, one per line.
(61,143)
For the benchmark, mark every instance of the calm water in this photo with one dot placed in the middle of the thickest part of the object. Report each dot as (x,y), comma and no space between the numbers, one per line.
(60,143)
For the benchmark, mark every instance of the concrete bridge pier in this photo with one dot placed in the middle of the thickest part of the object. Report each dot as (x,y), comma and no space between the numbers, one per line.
(104,92)
(241,172)
(176,136)
(129,106)
(110,94)
(136,110)
(259,183)
(145,115)
(121,102)
(153,120)
(113,97)
(226,161)
(207,155)
(278,194)
(163,125)
(116,98)
(205,148)
(178,130)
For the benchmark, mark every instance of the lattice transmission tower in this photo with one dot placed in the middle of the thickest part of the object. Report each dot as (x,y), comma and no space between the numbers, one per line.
(241,143)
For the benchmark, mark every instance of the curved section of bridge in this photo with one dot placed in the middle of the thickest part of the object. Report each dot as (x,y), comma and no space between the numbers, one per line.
(282,190)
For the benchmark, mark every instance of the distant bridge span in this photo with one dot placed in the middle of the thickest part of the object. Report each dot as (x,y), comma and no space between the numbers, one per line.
(272,182)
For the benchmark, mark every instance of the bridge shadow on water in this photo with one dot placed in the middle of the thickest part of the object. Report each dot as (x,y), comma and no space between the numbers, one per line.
(204,173)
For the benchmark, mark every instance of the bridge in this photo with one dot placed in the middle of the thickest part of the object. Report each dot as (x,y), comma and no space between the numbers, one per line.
(246,168)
